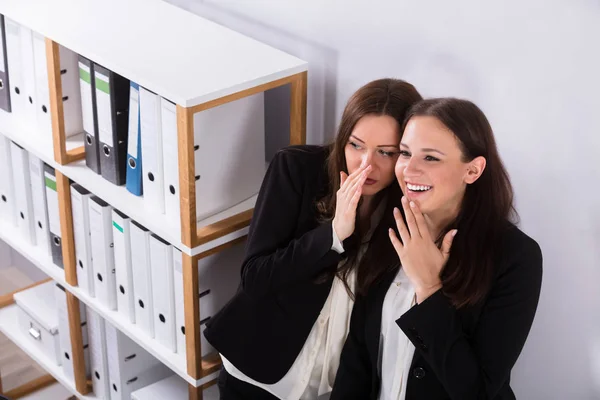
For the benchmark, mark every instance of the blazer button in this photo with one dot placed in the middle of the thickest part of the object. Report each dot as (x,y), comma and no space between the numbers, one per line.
(419,373)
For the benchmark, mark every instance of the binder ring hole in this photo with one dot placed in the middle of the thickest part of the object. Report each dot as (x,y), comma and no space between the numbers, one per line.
(44,109)
(151,176)
(162,318)
(106,150)
(22,216)
(39,224)
(88,139)
(171,189)
(115,387)
(56,241)
(141,303)
(4,198)
(80,264)
(30,100)
(132,163)
(17,90)
(1,84)
(183,330)
(67,356)
(100,277)
(97,374)
(121,289)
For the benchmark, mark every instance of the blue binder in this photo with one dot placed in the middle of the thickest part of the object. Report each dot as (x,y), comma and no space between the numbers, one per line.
(134,146)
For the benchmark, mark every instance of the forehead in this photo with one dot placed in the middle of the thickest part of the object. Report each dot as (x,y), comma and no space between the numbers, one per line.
(377,129)
(428,132)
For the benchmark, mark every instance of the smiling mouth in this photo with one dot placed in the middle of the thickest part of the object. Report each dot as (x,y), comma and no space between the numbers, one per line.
(418,188)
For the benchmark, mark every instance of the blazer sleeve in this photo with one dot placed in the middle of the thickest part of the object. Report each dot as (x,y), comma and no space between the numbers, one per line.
(274,257)
(478,366)
(354,376)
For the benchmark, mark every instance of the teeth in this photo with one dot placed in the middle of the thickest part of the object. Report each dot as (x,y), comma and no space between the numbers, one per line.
(420,188)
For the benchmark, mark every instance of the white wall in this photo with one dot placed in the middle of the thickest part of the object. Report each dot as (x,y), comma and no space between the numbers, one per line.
(534,68)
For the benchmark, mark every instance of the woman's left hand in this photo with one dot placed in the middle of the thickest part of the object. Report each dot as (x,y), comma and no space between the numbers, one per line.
(420,257)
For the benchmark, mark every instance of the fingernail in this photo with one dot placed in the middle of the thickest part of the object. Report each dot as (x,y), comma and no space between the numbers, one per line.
(396,211)
(403,199)
(412,204)
(455,232)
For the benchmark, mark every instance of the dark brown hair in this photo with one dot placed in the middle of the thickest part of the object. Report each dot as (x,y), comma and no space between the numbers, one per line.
(487,206)
(391,97)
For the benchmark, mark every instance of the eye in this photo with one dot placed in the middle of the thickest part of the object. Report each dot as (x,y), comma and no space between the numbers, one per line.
(387,153)
(431,158)
(404,153)
(355,145)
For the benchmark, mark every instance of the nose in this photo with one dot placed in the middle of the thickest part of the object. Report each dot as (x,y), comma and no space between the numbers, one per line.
(412,168)
(367,157)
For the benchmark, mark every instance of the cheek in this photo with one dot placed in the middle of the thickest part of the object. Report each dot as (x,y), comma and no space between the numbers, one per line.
(352,160)
(399,169)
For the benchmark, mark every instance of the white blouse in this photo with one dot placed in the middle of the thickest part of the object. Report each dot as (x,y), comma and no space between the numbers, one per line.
(395,349)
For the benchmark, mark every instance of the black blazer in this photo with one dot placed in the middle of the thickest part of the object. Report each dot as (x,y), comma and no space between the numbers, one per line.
(459,354)
(264,327)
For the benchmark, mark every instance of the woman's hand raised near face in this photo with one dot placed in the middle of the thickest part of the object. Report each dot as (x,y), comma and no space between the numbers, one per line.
(347,198)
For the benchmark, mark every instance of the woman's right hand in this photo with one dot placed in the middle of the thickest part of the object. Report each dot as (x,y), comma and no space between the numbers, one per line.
(347,198)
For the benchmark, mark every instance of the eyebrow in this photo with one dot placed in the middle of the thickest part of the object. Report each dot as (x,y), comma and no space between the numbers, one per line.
(383,145)
(425,149)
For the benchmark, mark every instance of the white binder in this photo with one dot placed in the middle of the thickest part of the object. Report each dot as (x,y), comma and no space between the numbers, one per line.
(28,118)
(142,285)
(82,235)
(98,359)
(152,154)
(206,300)
(64,331)
(103,260)
(161,265)
(126,361)
(144,378)
(70,89)
(7,192)
(23,199)
(124,274)
(40,210)
(15,69)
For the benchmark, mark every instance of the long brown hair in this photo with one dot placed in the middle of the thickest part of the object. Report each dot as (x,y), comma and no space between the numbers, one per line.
(487,207)
(391,97)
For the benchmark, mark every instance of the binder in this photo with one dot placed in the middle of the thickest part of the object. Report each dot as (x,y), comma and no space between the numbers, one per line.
(64,332)
(4,73)
(40,210)
(161,265)
(124,274)
(53,216)
(98,359)
(126,361)
(71,100)
(29,117)
(112,107)
(23,199)
(206,306)
(87,87)
(142,285)
(7,191)
(150,120)
(170,158)
(103,259)
(147,377)
(15,68)
(82,235)
(134,143)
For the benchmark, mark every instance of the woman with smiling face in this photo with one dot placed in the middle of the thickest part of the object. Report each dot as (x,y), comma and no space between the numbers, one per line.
(450,320)
(320,221)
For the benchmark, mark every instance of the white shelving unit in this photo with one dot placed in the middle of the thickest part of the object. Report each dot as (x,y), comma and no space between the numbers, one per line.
(186,59)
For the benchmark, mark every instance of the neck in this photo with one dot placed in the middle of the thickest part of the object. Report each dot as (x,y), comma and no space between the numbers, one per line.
(439,219)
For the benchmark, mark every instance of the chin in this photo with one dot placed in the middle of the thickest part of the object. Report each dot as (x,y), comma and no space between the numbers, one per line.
(370,190)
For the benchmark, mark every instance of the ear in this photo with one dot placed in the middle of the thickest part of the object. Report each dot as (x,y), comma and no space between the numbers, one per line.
(474,169)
